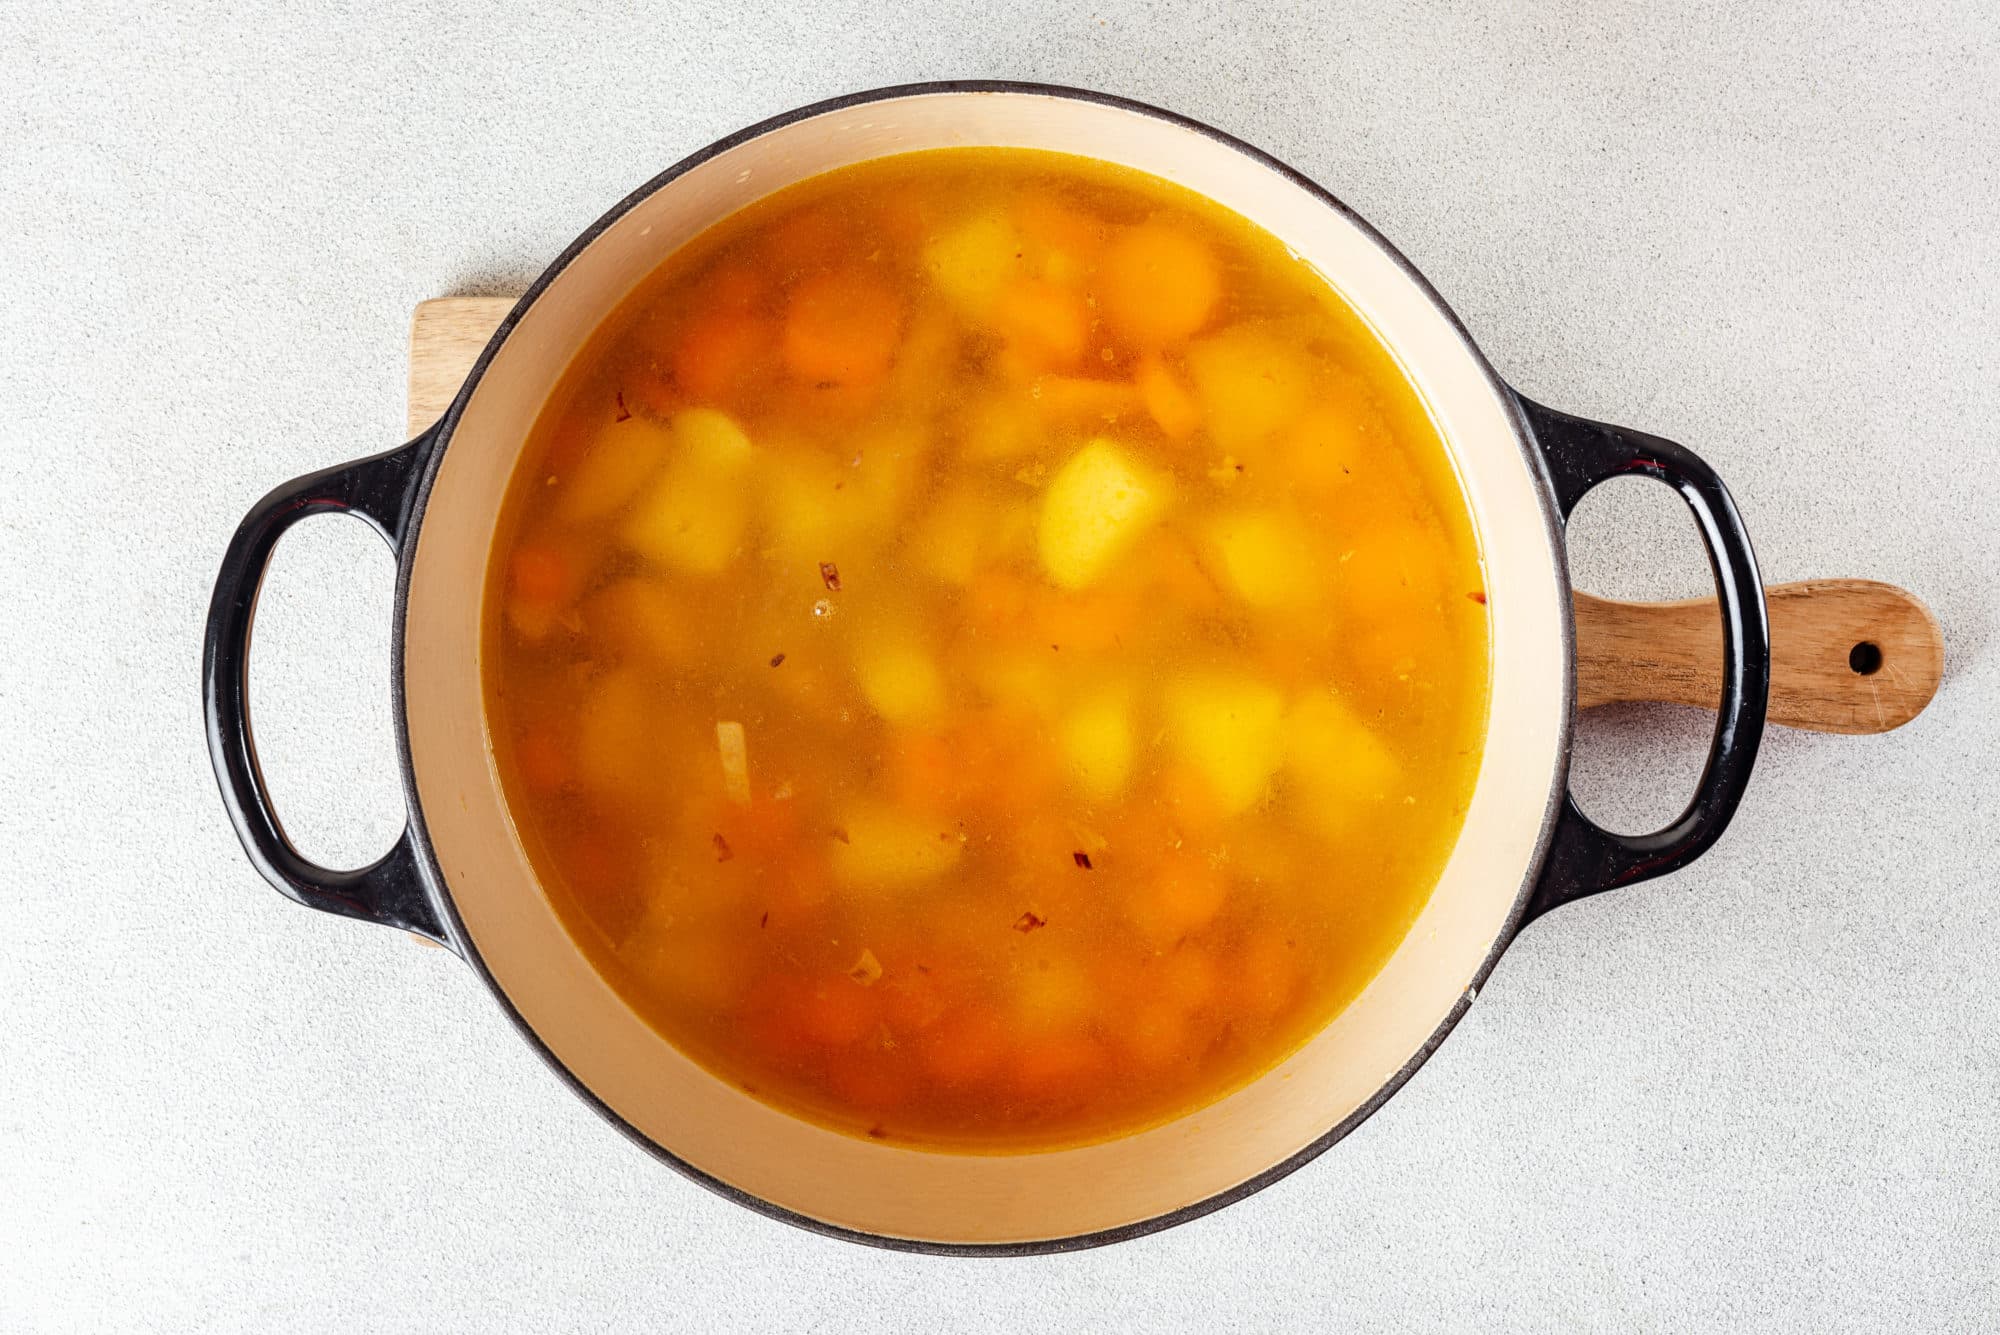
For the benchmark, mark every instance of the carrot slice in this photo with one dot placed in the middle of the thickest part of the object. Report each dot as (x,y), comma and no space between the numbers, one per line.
(1171,403)
(1054,1064)
(1183,897)
(1158,284)
(833,1012)
(1047,324)
(543,760)
(542,575)
(967,1048)
(716,352)
(842,329)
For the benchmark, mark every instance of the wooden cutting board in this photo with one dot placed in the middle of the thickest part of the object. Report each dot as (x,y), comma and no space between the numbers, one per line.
(1847,655)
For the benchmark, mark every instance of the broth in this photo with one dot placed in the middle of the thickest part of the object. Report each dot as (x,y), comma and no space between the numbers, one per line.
(984,649)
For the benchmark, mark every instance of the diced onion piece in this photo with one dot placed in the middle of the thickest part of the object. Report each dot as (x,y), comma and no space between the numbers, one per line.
(867,970)
(735,751)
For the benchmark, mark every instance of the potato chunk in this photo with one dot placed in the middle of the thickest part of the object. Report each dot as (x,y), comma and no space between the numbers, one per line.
(1251,382)
(1232,729)
(1334,755)
(884,847)
(1096,739)
(974,260)
(899,679)
(617,463)
(1266,559)
(694,517)
(1095,507)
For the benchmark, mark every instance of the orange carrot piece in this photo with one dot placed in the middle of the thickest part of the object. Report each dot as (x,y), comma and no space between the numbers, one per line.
(1083,622)
(1188,978)
(1052,1064)
(544,762)
(1171,403)
(1053,225)
(842,328)
(1158,284)
(716,352)
(996,601)
(967,1048)
(834,1012)
(732,285)
(1265,976)
(1182,897)
(542,575)
(1047,324)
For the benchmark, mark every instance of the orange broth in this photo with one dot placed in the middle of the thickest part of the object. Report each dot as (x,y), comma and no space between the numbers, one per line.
(985,649)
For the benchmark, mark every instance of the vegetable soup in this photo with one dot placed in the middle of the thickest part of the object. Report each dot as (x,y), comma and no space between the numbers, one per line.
(985,650)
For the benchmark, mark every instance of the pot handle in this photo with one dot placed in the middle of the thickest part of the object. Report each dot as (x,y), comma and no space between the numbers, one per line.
(1584,858)
(380,491)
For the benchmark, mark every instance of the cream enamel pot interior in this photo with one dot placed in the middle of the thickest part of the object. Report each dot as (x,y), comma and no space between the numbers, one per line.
(459,877)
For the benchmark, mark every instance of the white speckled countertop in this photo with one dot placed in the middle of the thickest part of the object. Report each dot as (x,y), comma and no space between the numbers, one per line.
(1764,1093)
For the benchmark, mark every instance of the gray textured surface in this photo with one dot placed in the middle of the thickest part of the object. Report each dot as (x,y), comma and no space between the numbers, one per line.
(1760,1094)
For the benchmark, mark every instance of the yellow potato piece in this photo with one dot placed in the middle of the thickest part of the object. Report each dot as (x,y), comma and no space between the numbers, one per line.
(819,506)
(899,679)
(1052,993)
(888,848)
(1095,507)
(1096,739)
(1266,559)
(974,260)
(638,616)
(694,517)
(1231,729)
(619,461)
(617,711)
(1334,755)
(1251,381)
(696,960)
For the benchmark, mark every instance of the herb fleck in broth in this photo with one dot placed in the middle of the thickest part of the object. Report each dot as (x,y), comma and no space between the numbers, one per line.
(986,650)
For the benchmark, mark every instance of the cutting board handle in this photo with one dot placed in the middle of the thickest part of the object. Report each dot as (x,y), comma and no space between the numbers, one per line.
(1847,655)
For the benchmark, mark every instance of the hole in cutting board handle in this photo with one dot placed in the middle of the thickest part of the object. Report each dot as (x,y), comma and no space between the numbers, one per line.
(1865,658)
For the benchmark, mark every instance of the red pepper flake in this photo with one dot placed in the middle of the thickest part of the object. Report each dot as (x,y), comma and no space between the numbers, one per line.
(840,834)
(1081,858)
(829,575)
(878,1132)
(765,921)
(1478,596)
(776,659)
(722,850)
(1029,921)
(624,413)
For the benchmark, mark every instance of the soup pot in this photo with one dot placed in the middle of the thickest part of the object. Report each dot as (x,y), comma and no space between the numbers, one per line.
(459,877)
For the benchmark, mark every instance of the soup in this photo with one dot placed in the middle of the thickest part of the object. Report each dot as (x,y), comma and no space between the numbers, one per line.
(985,650)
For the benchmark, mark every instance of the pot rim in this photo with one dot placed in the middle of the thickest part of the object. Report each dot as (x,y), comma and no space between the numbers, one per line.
(438,439)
